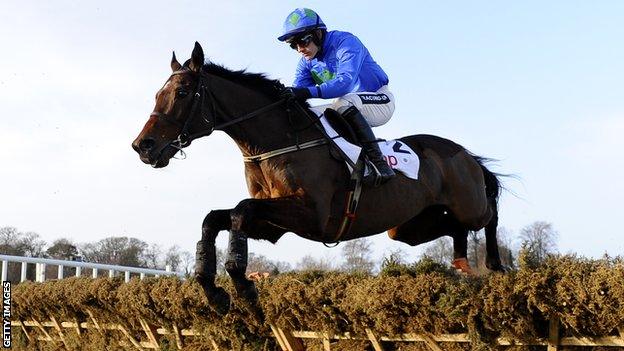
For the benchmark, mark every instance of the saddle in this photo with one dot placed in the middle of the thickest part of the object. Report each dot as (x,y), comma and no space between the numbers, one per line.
(356,161)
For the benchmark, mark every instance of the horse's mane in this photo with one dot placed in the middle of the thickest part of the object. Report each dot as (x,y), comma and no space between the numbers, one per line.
(257,81)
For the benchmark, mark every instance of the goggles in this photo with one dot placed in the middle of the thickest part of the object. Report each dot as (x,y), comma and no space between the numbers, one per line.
(302,41)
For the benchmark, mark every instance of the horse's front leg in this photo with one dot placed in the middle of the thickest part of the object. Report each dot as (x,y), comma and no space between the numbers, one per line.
(236,266)
(206,259)
(265,219)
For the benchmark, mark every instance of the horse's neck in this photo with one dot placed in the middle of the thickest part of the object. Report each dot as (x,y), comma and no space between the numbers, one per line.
(268,131)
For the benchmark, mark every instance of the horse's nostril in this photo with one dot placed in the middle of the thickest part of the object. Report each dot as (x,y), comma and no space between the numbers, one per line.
(146,144)
(135,146)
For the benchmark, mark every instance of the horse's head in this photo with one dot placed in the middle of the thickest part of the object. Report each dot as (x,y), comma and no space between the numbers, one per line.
(178,113)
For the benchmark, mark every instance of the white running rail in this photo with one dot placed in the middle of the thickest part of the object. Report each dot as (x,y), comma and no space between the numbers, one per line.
(42,263)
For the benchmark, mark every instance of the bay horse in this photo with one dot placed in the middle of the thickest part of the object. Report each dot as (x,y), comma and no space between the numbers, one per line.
(304,191)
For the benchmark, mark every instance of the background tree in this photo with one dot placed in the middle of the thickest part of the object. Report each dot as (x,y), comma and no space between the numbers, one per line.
(508,253)
(440,250)
(187,263)
(538,240)
(260,263)
(357,256)
(396,256)
(179,260)
(152,257)
(173,258)
(63,249)
(9,237)
(311,263)
(476,250)
(14,242)
(123,251)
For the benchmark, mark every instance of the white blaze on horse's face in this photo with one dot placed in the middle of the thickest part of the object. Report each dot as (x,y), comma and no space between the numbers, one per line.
(166,96)
(164,124)
(167,85)
(162,135)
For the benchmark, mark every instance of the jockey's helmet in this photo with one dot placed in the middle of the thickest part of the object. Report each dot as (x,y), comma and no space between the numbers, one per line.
(299,21)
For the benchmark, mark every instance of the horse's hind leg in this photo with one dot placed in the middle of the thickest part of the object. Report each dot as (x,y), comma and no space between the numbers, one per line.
(460,250)
(433,223)
(426,226)
(492,190)
(236,266)
(492,261)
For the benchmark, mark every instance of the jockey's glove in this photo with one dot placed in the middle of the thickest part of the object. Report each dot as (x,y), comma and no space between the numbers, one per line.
(296,93)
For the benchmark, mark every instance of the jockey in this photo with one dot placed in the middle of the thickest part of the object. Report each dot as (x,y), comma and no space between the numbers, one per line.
(337,65)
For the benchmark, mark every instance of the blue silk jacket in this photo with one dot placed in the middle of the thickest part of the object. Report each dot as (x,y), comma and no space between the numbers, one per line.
(343,66)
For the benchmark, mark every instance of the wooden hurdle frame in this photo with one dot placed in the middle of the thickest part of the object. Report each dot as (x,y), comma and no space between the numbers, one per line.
(289,340)
(151,332)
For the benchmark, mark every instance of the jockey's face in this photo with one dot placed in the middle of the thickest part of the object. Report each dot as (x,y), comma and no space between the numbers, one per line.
(308,51)
(305,46)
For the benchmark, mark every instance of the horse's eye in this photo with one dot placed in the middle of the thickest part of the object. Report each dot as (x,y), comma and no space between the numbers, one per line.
(182,93)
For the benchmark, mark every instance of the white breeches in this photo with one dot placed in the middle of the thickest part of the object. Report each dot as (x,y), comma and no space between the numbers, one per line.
(376,107)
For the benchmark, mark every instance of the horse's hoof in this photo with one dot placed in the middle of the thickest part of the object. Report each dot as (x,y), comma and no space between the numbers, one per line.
(257,312)
(250,294)
(219,300)
(504,269)
(250,299)
(497,267)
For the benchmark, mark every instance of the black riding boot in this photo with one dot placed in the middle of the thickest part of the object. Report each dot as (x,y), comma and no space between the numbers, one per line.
(365,136)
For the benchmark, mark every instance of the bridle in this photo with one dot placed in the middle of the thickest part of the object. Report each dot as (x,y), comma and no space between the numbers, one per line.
(184,138)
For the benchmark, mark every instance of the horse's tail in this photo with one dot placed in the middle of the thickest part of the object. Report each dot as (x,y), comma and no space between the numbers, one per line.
(492,180)
(492,191)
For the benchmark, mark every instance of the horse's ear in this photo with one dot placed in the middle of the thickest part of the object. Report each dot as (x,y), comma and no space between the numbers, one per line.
(175,65)
(197,58)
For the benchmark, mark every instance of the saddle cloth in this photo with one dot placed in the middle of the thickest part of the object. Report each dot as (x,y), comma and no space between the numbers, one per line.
(398,155)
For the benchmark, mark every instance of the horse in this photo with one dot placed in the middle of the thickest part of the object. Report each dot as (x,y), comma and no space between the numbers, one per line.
(303,190)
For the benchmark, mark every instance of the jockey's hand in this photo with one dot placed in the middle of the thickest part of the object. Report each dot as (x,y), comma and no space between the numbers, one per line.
(296,93)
